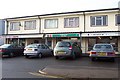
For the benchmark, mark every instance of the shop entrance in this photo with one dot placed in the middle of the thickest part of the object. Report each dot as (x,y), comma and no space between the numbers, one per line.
(110,40)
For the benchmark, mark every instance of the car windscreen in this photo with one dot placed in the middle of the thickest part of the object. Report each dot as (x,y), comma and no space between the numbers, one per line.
(32,46)
(105,47)
(5,46)
(63,44)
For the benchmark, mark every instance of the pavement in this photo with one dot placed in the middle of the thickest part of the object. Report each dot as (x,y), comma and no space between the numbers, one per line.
(80,72)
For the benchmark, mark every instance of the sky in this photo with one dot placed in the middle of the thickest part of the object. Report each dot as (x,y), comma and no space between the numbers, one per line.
(18,8)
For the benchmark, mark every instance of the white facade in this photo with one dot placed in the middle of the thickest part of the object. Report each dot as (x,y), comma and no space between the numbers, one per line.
(104,27)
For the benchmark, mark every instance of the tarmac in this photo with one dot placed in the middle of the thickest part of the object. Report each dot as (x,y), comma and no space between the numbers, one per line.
(85,72)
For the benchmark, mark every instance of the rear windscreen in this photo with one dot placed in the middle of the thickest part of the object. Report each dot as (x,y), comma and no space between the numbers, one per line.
(103,47)
(63,44)
(32,46)
(5,46)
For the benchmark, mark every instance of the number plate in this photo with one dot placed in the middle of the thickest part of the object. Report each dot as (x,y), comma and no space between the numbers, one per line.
(29,49)
(101,54)
(61,52)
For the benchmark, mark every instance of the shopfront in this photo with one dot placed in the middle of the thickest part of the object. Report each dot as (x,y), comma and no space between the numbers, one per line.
(23,40)
(52,39)
(103,37)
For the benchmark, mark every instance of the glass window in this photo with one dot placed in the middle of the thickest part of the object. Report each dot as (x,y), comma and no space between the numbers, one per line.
(71,22)
(30,25)
(91,42)
(98,20)
(63,44)
(117,19)
(14,26)
(51,23)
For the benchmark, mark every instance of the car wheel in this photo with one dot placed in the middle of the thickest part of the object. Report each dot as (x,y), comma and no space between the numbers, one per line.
(113,59)
(56,57)
(93,59)
(11,55)
(40,55)
(73,55)
(26,56)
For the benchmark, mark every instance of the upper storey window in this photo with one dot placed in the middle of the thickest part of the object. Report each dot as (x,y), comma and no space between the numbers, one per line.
(51,23)
(15,26)
(117,17)
(99,20)
(30,25)
(71,22)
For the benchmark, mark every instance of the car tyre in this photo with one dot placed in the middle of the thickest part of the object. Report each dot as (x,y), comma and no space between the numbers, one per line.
(56,57)
(11,55)
(40,55)
(73,55)
(93,59)
(26,56)
(113,59)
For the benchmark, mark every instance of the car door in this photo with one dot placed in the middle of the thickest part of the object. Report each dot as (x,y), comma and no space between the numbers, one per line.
(48,50)
(43,50)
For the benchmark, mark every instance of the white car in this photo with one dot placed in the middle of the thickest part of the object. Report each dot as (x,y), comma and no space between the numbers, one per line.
(102,51)
(37,50)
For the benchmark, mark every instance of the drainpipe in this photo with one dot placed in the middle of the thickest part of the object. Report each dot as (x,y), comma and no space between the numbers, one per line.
(6,30)
(84,21)
(84,28)
(39,24)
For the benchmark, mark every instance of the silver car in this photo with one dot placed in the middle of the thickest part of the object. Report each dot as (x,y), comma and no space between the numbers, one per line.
(102,51)
(38,50)
(67,49)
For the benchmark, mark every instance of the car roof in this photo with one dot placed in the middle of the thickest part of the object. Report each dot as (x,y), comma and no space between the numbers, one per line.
(103,44)
(36,44)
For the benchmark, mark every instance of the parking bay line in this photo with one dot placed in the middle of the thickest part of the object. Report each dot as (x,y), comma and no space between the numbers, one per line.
(43,75)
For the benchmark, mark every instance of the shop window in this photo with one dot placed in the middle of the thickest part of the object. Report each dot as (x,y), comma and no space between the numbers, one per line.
(36,41)
(114,42)
(91,42)
(49,43)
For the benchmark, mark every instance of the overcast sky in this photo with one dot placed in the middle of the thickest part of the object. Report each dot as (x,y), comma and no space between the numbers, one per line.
(18,8)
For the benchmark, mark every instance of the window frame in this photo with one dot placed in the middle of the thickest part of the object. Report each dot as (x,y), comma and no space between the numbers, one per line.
(116,23)
(33,22)
(50,26)
(13,27)
(102,20)
(68,22)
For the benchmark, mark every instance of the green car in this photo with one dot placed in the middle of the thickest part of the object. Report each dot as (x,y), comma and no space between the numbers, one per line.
(10,50)
(67,49)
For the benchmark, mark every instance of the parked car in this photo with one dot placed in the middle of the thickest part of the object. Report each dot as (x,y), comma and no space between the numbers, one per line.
(11,50)
(37,50)
(102,51)
(67,49)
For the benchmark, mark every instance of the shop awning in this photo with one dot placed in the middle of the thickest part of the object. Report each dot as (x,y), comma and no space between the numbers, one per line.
(95,34)
(24,36)
(64,35)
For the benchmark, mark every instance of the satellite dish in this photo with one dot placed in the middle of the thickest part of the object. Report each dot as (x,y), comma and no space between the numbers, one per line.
(119,4)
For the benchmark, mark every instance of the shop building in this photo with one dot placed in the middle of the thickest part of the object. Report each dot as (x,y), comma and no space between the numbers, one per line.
(23,30)
(88,27)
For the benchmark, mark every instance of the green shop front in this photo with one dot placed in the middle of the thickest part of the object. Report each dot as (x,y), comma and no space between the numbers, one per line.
(52,39)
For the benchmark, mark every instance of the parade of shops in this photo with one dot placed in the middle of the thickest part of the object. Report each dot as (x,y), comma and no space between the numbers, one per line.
(87,27)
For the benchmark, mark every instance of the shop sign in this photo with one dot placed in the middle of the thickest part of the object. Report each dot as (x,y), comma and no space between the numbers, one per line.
(64,35)
(99,34)
(11,37)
